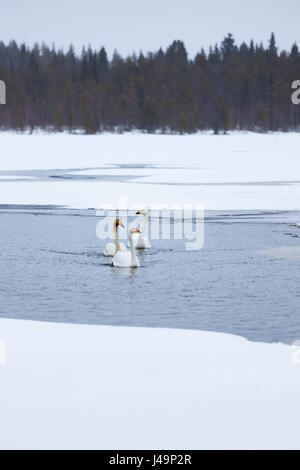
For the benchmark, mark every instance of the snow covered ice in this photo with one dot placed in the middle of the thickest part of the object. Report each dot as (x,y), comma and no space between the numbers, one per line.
(236,171)
(82,386)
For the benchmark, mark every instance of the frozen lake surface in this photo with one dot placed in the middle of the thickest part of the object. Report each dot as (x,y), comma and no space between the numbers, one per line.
(238,171)
(244,281)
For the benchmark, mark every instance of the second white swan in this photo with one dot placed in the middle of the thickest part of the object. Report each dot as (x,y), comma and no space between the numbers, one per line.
(141,241)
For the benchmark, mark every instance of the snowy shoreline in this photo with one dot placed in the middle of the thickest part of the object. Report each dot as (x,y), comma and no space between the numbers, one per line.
(85,387)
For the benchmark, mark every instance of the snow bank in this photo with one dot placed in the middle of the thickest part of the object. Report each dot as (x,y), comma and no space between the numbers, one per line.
(237,171)
(73,386)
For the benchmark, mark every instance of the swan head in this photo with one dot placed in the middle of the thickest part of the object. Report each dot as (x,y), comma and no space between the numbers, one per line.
(133,230)
(142,211)
(119,222)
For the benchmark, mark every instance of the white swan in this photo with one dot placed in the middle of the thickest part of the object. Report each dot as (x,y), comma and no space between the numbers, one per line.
(128,259)
(112,248)
(141,241)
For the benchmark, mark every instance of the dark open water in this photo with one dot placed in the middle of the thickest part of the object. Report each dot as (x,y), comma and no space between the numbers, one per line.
(52,269)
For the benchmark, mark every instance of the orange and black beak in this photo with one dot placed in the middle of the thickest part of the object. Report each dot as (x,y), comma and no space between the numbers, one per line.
(138,212)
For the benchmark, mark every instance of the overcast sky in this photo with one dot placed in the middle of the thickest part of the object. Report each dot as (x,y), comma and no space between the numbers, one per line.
(134,25)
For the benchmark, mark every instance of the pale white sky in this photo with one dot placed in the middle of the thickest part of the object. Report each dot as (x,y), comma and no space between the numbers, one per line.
(131,25)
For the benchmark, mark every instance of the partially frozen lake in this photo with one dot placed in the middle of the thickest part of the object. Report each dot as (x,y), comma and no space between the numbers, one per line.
(246,279)
(53,270)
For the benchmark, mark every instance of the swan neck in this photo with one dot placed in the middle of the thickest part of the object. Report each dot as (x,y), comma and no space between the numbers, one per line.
(116,238)
(132,248)
(144,230)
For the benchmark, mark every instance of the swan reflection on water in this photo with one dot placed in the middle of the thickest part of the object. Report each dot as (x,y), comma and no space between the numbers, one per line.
(130,273)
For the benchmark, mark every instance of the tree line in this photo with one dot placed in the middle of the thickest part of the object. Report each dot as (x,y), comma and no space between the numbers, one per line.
(244,87)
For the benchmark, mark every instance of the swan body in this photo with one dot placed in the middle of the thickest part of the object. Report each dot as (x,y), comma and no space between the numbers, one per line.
(112,248)
(140,240)
(141,243)
(127,259)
